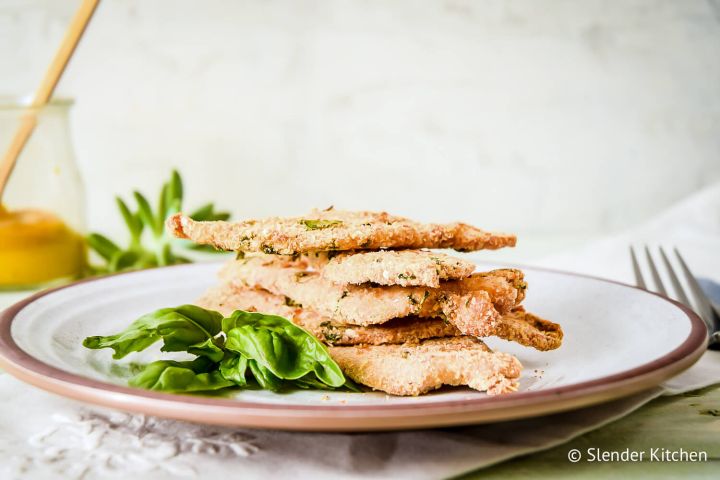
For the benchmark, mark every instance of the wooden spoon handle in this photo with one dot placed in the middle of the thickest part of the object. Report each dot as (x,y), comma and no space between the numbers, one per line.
(45,90)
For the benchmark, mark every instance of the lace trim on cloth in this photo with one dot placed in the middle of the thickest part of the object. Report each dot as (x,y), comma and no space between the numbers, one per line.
(94,444)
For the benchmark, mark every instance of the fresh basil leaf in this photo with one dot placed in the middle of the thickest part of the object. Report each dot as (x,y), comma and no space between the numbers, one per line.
(209,348)
(264,377)
(184,328)
(105,247)
(268,349)
(234,368)
(309,382)
(320,224)
(170,376)
(352,386)
(280,346)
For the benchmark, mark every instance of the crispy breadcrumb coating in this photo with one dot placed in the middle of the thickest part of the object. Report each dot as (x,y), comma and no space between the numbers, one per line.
(334,230)
(414,369)
(396,267)
(519,326)
(226,299)
(469,304)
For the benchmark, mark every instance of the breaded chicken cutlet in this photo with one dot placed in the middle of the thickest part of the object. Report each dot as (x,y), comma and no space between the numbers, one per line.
(334,230)
(226,299)
(472,304)
(414,369)
(518,325)
(407,268)
(397,317)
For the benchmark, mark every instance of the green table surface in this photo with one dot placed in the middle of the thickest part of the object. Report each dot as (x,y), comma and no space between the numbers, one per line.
(690,421)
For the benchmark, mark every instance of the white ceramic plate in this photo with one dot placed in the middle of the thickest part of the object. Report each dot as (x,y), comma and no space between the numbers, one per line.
(618,340)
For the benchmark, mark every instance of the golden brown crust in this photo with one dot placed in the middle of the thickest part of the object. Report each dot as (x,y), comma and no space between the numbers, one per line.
(414,369)
(467,303)
(518,325)
(530,330)
(226,299)
(506,287)
(334,230)
(396,267)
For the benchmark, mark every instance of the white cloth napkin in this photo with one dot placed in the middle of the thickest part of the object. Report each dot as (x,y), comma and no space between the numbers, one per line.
(45,436)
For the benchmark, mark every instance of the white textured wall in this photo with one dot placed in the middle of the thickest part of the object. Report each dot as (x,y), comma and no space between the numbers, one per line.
(545,117)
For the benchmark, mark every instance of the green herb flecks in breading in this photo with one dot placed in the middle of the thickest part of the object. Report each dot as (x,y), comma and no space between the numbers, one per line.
(320,224)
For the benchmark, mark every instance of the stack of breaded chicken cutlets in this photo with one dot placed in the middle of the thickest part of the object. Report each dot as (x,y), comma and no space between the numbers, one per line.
(396,316)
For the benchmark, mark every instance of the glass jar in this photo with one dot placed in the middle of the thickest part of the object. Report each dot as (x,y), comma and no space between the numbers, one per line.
(42,216)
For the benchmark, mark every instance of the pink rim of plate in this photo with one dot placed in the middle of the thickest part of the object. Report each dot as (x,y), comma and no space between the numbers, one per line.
(324,417)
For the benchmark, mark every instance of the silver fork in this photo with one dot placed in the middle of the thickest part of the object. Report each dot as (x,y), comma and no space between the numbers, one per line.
(700,303)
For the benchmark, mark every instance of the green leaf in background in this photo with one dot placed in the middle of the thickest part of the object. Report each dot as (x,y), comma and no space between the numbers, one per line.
(162,205)
(280,346)
(105,247)
(207,213)
(182,329)
(198,375)
(175,190)
(123,259)
(170,200)
(158,251)
(132,221)
(145,212)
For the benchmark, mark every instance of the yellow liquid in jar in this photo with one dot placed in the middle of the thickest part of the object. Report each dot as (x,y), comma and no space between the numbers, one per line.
(37,247)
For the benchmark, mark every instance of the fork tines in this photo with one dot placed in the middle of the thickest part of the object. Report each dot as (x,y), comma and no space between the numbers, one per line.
(661,272)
